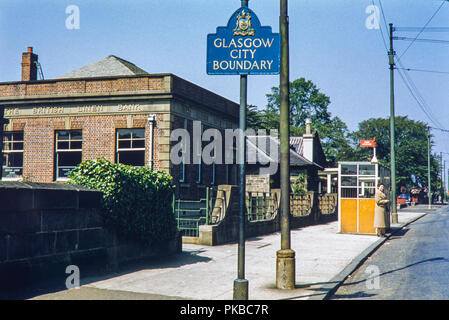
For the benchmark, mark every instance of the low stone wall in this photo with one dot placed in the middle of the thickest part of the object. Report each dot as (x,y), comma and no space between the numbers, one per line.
(226,230)
(46,227)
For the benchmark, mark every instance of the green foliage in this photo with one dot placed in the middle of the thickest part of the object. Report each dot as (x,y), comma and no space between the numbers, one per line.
(411,139)
(306,101)
(299,185)
(339,144)
(334,137)
(137,201)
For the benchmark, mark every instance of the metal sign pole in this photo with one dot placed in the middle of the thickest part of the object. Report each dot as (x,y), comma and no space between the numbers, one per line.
(241,284)
(242,48)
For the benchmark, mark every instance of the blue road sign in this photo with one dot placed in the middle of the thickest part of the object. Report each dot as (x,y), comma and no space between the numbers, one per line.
(243,47)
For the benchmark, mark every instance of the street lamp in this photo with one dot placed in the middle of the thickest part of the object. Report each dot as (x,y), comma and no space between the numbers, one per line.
(285,258)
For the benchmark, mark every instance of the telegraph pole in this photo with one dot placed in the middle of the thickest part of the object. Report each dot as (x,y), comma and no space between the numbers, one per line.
(445,181)
(241,284)
(285,258)
(394,213)
(441,176)
(429,190)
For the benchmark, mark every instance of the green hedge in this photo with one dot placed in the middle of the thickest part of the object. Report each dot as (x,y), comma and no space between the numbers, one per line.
(137,201)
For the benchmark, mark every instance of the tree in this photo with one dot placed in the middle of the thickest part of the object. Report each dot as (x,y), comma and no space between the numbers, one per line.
(335,141)
(411,149)
(254,119)
(307,102)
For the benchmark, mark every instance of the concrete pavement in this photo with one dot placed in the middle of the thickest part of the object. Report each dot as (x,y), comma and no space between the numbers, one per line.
(324,258)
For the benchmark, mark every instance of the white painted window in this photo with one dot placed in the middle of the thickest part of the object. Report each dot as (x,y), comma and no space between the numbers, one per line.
(12,155)
(68,152)
(131,147)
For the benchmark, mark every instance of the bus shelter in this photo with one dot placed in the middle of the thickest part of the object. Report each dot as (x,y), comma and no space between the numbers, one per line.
(357,183)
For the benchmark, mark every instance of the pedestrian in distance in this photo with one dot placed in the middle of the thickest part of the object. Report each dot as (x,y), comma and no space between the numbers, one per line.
(380,215)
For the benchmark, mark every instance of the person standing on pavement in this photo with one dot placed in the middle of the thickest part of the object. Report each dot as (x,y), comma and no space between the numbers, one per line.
(379,210)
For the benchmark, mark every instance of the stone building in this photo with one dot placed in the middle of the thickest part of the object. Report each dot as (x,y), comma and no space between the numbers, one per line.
(112,109)
(306,158)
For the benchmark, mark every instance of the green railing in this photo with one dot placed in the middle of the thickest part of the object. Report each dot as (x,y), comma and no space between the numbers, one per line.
(190,214)
(261,205)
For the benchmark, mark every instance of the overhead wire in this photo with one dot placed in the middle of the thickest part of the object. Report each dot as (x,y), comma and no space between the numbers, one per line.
(414,97)
(424,70)
(422,29)
(423,105)
(380,28)
(414,29)
(405,77)
(422,40)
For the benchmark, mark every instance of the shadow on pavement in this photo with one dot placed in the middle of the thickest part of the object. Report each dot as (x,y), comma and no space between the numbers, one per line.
(398,234)
(361,294)
(398,269)
(174,261)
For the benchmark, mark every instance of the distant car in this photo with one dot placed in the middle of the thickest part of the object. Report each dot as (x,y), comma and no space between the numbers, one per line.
(404,198)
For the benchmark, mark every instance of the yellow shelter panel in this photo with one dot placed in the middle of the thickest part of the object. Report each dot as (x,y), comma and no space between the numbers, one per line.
(348,218)
(366,216)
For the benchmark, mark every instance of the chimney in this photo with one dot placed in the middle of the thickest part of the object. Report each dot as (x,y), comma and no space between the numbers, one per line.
(307,140)
(308,122)
(29,65)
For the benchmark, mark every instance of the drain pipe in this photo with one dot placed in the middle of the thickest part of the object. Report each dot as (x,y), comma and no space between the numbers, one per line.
(151,120)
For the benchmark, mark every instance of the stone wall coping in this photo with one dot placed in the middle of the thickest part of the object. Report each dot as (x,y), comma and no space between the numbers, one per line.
(41,185)
(23,196)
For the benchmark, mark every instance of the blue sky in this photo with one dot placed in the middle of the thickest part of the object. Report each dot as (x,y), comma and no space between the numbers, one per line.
(329,45)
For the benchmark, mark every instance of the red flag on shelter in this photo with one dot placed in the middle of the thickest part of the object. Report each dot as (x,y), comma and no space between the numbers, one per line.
(368,143)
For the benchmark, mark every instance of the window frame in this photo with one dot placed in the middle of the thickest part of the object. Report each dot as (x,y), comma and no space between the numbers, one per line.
(12,151)
(184,149)
(58,150)
(131,140)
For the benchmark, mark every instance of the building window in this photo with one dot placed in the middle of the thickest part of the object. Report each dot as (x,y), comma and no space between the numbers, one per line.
(199,143)
(12,155)
(131,147)
(184,151)
(213,169)
(68,152)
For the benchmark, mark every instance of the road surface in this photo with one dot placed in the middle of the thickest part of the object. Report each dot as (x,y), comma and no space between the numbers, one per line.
(413,264)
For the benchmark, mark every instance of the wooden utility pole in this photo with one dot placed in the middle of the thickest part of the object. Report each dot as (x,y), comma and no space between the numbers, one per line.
(394,213)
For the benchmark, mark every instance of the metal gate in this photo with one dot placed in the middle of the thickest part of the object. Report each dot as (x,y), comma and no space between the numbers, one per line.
(190,214)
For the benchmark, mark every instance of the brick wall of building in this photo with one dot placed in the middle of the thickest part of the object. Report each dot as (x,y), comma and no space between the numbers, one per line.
(39,108)
(38,154)
(99,140)
(83,86)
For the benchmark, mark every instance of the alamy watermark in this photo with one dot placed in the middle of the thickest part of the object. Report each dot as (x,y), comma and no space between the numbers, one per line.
(73,280)
(373,20)
(373,280)
(261,148)
(72,22)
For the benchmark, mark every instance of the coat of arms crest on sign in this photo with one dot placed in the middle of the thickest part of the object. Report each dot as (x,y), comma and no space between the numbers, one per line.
(243,25)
